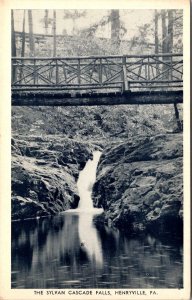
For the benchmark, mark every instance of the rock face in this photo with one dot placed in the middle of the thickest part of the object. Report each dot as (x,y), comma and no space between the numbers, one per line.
(140,184)
(44,174)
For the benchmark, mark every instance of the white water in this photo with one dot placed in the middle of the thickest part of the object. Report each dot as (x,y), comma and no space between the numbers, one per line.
(87,232)
(86,180)
(88,235)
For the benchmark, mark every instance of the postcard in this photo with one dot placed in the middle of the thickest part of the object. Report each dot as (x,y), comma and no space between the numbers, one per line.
(95,150)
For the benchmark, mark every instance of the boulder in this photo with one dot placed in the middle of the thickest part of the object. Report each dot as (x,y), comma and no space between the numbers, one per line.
(44,176)
(140,184)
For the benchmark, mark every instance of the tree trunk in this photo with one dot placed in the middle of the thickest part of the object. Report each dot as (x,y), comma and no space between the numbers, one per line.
(46,21)
(170,31)
(170,38)
(13,41)
(156,33)
(54,33)
(164,43)
(23,37)
(13,45)
(115,29)
(31,37)
(164,31)
(22,46)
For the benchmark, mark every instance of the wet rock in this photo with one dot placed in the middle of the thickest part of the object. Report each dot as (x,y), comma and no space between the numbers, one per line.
(151,197)
(44,176)
(140,184)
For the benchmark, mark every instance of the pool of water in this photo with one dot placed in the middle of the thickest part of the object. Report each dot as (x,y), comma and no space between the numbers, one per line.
(69,251)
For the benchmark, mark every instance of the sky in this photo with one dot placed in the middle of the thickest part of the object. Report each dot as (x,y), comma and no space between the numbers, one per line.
(131,18)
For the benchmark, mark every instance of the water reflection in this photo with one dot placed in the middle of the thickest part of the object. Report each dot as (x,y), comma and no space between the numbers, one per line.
(90,241)
(59,252)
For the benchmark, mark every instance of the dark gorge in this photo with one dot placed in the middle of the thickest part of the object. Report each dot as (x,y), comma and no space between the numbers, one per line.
(137,195)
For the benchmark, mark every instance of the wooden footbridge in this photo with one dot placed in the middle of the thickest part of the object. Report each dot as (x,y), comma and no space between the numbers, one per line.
(97,80)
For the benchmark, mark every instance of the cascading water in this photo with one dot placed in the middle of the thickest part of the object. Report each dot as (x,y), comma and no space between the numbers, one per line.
(86,180)
(87,232)
(88,235)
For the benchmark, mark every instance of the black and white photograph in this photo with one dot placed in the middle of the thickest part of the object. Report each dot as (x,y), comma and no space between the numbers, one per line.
(97,143)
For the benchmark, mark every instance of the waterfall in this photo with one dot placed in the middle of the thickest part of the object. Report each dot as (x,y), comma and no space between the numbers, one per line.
(87,232)
(88,236)
(86,180)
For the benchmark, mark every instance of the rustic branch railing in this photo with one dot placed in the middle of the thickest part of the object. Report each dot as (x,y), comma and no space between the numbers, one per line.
(103,73)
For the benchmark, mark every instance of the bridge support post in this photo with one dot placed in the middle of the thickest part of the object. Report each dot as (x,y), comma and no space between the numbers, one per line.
(34,70)
(56,72)
(179,125)
(126,85)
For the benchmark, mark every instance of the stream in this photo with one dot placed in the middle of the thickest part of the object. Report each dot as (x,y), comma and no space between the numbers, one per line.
(70,251)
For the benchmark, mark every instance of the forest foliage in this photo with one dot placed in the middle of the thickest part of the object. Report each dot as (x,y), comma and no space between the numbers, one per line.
(162,34)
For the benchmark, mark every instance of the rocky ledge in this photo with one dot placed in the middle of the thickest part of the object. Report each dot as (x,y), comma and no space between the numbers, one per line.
(140,184)
(44,174)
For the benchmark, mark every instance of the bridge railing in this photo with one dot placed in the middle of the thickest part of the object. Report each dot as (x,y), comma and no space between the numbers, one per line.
(103,73)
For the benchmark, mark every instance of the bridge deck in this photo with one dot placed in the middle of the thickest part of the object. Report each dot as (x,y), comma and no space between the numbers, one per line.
(103,80)
(87,99)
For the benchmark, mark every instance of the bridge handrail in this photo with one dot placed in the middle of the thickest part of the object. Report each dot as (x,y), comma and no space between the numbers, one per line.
(101,56)
(119,72)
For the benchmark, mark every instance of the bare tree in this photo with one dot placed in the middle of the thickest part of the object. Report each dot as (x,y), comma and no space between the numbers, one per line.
(46,22)
(115,26)
(54,33)
(23,36)
(170,30)
(22,46)
(164,31)
(156,32)
(13,41)
(31,36)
